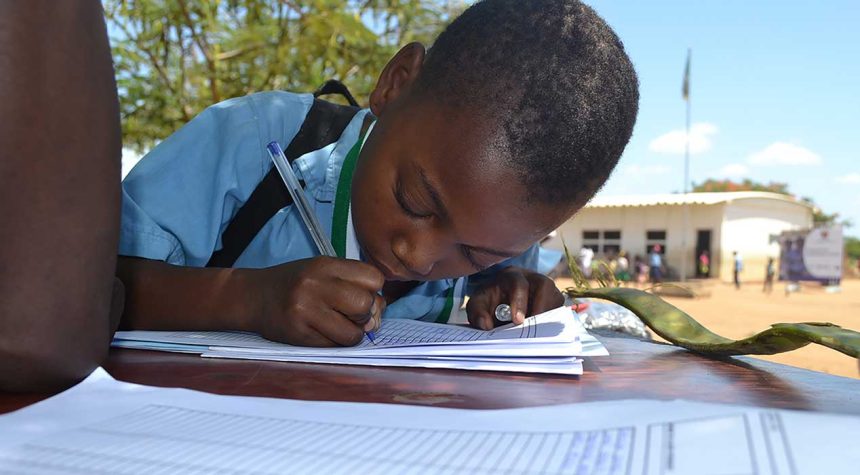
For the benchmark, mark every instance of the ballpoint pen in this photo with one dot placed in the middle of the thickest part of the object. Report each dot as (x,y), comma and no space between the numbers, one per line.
(301,202)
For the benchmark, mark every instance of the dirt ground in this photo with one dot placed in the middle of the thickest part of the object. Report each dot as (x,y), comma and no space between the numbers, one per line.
(740,313)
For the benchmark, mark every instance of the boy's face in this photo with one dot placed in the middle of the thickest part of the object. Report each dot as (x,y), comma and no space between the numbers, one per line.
(431,199)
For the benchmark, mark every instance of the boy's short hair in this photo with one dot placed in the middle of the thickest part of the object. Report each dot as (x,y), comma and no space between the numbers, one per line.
(554,77)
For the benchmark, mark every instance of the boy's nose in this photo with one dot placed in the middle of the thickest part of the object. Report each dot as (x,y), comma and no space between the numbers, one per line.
(417,253)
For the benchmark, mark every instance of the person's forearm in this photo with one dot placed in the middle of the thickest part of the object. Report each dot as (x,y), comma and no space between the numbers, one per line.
(59,191)
(160,296)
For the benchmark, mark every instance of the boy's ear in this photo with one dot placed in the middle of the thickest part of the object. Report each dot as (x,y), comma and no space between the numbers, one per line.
(400,72)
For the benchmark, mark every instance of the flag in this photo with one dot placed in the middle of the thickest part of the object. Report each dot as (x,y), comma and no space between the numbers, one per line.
(685,89)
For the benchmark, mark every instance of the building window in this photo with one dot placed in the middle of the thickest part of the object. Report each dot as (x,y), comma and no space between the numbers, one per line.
(611,244)
(606,242)
(654,237)
(591,240)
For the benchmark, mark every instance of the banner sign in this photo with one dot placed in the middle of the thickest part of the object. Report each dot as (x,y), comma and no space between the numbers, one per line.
(811,255)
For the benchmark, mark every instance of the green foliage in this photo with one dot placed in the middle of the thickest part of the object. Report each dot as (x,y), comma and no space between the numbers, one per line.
(174,58)
(819,217)
(713,185)
(852,247)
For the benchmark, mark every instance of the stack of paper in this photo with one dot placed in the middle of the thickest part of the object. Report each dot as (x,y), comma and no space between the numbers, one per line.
(551,342)
(106,426)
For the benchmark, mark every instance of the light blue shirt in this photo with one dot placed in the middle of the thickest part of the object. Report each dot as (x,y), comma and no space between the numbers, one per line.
(178,200)
(656,259)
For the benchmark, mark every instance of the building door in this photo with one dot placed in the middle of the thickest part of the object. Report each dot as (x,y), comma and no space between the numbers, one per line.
(703,246)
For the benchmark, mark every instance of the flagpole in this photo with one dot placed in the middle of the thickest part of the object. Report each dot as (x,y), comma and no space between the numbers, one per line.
(686,211)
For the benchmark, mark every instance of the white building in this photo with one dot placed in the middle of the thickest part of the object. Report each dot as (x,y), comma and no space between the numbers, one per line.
(719,223)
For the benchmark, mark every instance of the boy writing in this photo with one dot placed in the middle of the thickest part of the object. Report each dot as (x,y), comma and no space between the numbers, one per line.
(469,155)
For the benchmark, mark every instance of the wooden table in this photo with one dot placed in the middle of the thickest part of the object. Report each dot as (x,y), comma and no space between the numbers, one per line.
(635,369)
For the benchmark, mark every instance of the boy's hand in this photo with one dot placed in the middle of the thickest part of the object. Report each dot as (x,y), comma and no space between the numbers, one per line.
(527,292)
(321,301)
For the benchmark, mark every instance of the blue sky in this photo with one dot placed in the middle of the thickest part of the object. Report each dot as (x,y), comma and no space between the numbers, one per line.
(774,95)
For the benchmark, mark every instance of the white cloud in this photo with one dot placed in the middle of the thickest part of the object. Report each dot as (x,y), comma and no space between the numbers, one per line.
(673,142)
(849,179)
(734,170)
(783,153)
(645,169)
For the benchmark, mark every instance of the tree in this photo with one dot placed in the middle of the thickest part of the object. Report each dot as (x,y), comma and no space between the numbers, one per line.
(713,185)
(174,58)
(852,247)
(819,217)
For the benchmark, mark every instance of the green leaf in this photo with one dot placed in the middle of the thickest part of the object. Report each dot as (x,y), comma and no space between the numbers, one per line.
(676,326)
(679,328)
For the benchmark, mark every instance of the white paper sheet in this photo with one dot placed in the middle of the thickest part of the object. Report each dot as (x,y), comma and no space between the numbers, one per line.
(555,326)
(568,366)
(105,426)
(554,335)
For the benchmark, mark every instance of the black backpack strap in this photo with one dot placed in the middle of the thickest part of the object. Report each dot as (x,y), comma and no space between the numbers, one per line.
(333,86)
(323,125)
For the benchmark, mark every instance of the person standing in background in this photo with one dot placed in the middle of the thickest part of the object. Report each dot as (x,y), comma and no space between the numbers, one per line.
(586,256)
(640,270)
(704,264)
(622,268)
(738,267)
(769,272)
(655,261)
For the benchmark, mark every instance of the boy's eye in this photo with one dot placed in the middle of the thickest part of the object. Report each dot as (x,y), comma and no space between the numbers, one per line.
(404,203)
(470,256)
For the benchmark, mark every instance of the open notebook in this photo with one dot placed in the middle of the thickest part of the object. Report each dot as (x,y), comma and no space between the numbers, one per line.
(547,343)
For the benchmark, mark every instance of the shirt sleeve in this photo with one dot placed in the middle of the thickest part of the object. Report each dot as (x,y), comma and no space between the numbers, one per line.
(177,201)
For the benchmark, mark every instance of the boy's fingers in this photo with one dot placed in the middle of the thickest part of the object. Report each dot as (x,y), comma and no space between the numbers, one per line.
(478,311)
(376,311)
(517,290)
(544,298)
(360,273)
(337,328)
(354,302)
(481,319)
(544,294)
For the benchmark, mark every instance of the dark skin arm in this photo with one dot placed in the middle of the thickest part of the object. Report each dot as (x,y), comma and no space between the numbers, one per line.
(320,301)
(59,193)
(311,302)
(161,296)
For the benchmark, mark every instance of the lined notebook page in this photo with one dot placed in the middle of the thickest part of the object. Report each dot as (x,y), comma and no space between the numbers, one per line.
(557,325)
